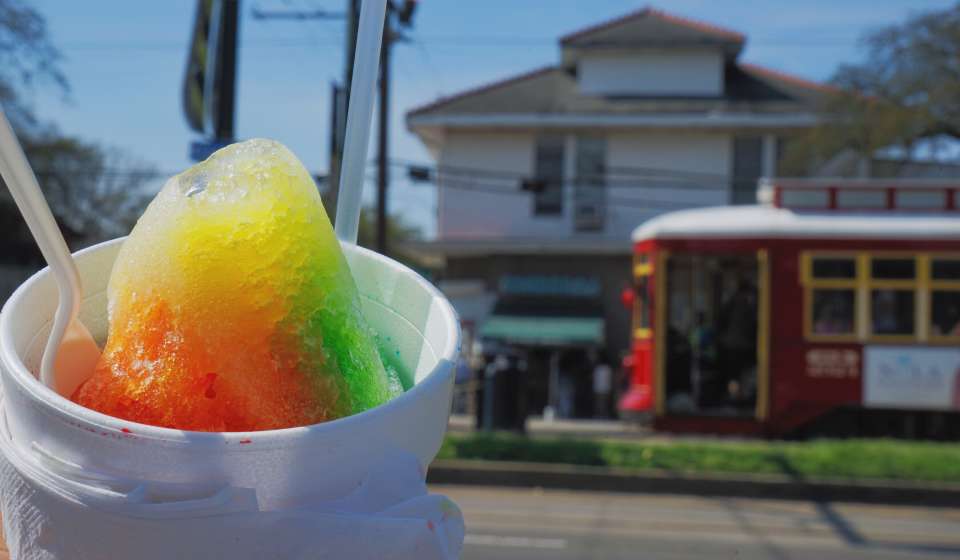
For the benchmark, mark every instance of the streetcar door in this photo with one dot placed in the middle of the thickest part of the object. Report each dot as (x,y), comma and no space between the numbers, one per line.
(712,320)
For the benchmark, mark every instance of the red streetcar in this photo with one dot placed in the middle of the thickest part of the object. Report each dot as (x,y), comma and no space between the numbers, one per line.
(832,307)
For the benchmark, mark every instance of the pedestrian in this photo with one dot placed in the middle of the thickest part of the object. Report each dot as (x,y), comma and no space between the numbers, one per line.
(602,384)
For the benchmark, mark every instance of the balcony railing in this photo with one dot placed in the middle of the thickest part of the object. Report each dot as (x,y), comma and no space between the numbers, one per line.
(861,195)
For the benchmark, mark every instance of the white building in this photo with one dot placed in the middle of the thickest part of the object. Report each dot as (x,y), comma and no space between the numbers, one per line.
(545,175)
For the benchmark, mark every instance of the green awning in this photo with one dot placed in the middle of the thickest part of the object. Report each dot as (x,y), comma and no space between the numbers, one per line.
(544,331)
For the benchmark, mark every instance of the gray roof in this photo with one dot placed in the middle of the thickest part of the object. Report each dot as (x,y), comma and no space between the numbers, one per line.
(653,28)
(752,96)
(553,90)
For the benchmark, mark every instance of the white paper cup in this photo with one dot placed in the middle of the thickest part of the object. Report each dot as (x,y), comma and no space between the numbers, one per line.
(153,469)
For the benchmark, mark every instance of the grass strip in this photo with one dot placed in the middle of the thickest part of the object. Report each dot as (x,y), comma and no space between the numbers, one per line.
(845,459)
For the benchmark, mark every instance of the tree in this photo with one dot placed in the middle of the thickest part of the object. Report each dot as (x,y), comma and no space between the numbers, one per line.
(27,58)
(94,192)
(852,122)
(906,90)
(398,232)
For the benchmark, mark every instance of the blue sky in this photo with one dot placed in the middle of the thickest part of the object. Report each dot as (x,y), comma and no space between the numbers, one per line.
(125,63)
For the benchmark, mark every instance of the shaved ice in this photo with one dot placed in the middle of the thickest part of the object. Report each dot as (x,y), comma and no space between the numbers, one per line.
(232,307)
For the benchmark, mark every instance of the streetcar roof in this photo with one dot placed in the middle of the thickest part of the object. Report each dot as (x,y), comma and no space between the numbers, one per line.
(761,221)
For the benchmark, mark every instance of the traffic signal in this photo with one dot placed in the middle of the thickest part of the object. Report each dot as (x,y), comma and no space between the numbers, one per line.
(419,174)
(534,185)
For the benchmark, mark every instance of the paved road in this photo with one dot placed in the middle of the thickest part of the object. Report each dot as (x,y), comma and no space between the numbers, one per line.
(525,524)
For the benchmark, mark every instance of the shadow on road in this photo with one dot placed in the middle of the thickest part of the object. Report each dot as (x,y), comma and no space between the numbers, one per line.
(759,535)
(839,524)
(849,533)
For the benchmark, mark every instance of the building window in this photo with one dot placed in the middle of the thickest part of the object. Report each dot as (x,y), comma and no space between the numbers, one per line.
(747,168)
(548,170)
(893,287)
(589,195)
(831,286)
(945,298)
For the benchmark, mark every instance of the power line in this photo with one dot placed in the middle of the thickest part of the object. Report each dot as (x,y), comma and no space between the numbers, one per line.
(617,177)
(118,172)
(503,183)
(477,171)
(92,172)
(298,15)
(506,180)
(314,13)
(459,183)
(179,45)
(499,41)
(489,42)
(433,71)
(611,170)
(626,201)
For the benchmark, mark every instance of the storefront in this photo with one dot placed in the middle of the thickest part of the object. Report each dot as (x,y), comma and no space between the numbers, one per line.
(541,325)
(553,323)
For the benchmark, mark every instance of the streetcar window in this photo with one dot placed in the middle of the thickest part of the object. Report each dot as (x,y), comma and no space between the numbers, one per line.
(834,268)
(908,296)
(892,311)
(945,313)
(642,300)
(831,296)
(945,269)
(833,311)
(893,269)
(945,297)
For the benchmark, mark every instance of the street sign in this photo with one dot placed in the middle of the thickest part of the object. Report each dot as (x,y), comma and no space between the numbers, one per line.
(200,151)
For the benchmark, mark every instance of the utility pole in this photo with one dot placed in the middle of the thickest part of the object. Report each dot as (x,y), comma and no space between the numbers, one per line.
(338,119)
(339,124)
(350,50)
(403,16)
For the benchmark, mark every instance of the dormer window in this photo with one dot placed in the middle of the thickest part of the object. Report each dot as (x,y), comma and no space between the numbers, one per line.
(652,73)
(650,53)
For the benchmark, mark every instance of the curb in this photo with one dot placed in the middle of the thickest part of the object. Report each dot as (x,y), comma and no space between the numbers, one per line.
(603,479)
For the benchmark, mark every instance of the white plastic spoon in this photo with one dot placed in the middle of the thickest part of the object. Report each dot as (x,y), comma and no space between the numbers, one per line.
(71,353)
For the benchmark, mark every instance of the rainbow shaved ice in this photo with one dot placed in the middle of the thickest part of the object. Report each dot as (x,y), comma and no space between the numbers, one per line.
(232,307)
